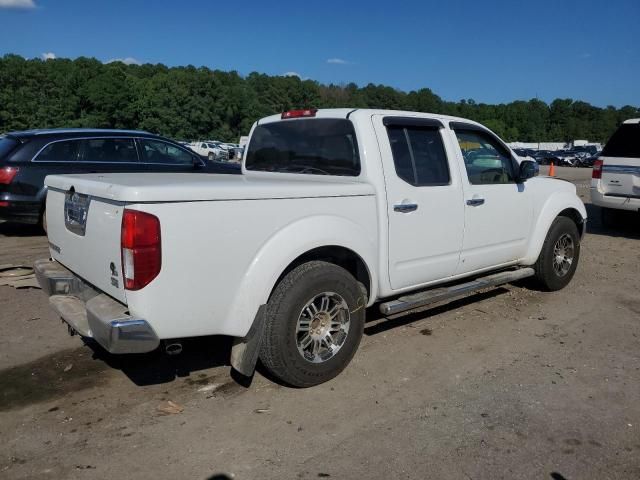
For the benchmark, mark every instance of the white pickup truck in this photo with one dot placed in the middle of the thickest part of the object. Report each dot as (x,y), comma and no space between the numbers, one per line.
(211,150)
(336,210)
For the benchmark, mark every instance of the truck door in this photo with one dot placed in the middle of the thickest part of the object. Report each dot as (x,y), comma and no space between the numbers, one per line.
(424,200)
(498,210)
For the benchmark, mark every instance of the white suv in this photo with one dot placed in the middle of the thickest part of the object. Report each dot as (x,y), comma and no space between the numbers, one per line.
(615,182)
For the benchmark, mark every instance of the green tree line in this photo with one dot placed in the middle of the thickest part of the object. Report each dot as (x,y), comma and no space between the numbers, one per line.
(196,103)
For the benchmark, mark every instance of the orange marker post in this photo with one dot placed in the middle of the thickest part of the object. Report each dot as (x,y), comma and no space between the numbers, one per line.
(552,170)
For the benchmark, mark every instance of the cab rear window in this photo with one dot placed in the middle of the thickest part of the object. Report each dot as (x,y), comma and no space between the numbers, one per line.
(319,146)
(625,142)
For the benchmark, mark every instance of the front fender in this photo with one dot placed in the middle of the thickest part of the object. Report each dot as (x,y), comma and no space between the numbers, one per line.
(277,253)
(553,205)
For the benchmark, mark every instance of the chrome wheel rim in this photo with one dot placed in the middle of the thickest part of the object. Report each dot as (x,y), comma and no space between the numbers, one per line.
(563,252)
(322,327)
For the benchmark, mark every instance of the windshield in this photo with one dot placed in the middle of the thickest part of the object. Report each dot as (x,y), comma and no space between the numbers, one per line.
(6,145)
(625,142)
(319,146)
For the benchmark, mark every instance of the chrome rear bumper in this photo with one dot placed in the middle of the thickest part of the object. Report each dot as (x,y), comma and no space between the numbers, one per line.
(94,314)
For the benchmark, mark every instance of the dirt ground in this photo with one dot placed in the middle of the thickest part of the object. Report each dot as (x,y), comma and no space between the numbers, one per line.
(510,383)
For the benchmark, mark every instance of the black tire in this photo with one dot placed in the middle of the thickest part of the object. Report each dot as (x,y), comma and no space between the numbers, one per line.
(43,221)
(548,277)
(279,349)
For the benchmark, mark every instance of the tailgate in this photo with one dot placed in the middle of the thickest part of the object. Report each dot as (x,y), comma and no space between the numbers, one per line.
(84,236)
(620,176)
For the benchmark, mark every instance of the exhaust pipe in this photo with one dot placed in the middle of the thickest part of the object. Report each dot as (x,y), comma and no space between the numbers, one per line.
(173,348)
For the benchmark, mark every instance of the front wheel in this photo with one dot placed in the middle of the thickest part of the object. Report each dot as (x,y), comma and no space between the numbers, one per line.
(314,323)
(559,256)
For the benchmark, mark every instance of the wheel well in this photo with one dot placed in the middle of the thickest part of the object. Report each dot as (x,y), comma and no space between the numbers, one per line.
(341,256)
(573,215)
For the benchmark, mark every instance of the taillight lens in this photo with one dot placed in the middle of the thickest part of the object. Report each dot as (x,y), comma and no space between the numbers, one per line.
(141,253)
(597,169)
(7,175)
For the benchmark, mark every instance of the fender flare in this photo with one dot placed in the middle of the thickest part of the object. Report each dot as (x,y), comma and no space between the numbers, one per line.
(282,248)
(555,204)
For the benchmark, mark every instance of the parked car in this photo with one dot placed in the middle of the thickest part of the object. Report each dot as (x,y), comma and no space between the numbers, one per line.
(235,154)
(336,210)
(27,157)
(542,156)
(590,161)
(210,150)
(526,154)
(615,181)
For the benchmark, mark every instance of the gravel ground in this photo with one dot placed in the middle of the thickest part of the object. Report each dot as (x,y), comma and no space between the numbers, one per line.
(509,383)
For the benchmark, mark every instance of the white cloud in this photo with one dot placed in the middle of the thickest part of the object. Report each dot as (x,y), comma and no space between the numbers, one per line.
(47,55)
(585,55)
(337,61)
(126,61)
(295,74)
(18,4)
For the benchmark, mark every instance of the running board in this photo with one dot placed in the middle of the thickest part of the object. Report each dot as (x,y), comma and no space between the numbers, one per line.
(417,300)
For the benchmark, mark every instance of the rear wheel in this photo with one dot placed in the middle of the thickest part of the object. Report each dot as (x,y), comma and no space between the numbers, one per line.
(559,256)
(43,220)
(314,323)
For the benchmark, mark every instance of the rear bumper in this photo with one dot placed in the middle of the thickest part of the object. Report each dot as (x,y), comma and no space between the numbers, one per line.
(94,314)
(619,202)
(20,211)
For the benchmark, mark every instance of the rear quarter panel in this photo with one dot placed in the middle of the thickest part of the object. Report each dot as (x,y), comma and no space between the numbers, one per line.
(221,259)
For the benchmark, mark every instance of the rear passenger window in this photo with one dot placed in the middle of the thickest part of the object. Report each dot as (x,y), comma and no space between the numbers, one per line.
(64,151)
(109,150)
(154,151)
(419,156)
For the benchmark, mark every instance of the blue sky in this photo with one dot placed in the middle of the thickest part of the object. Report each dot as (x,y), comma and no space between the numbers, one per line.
(491,51)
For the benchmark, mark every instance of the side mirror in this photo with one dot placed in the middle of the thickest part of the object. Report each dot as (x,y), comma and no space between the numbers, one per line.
(528,169)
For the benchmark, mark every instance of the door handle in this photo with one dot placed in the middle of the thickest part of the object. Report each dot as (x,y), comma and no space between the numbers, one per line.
(405,207)
(474,202)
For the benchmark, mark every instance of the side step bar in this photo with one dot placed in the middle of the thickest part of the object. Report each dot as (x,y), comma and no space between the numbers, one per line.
(427,297)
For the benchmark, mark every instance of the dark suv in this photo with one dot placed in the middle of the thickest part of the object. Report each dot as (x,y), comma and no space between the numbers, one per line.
(27,157)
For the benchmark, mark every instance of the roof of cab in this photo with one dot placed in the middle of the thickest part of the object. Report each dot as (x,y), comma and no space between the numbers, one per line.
(632,120)
(367,112)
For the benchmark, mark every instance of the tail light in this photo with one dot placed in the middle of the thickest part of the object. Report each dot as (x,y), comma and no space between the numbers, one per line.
(141,253)
(307,112)
(597,169)
(7,174)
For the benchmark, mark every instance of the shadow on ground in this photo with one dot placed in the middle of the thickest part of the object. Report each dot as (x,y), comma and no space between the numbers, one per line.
(54,376)
(624,224)
(157,367)
(378,323)
(10,229)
